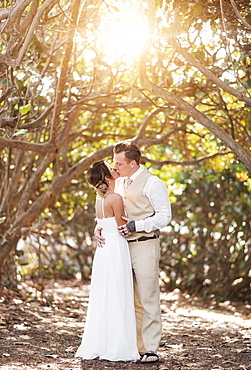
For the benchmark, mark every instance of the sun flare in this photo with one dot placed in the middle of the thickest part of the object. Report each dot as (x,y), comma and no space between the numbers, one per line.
(122,37)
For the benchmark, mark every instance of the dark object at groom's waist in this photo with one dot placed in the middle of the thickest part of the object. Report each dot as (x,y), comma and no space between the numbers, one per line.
(143,238)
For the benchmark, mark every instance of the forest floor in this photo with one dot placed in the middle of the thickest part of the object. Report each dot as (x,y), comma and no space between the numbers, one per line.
(44,332)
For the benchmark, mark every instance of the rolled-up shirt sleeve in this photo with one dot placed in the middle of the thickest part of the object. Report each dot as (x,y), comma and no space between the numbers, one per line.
(155,190)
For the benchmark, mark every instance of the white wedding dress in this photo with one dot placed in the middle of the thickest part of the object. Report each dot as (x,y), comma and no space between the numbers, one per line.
(110,329)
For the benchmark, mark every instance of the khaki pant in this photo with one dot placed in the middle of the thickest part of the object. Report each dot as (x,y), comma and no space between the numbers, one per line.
(145,265)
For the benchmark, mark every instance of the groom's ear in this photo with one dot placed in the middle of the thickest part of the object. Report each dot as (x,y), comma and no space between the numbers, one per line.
(133,163)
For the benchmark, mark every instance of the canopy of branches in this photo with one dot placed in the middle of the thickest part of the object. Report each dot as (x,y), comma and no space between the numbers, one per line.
(77,76)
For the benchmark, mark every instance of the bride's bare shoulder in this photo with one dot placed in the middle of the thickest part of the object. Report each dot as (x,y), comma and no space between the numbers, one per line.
(114,197)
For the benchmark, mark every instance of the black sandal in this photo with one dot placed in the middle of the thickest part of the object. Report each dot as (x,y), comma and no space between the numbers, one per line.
(147,355)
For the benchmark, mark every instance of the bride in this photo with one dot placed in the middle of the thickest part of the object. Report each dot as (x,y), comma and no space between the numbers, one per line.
(110,329)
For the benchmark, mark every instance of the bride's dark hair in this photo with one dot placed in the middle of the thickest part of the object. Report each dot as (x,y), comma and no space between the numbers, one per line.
(96,177)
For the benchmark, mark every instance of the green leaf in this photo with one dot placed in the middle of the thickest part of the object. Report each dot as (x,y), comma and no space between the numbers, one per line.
(169,111)
(184,8)
(200,94)
(248,83)
(26,337)
(158,4)
(2,219)
(25,109)
(21,132)
(197,9)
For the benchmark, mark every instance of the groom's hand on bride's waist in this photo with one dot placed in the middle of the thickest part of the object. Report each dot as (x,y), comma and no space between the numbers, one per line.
(128,228)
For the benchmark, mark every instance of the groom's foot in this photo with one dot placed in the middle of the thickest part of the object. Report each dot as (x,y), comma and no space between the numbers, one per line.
(149,357)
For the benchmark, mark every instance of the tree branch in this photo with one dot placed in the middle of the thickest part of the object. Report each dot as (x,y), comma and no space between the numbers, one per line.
(194,62)
(192,162)
(25,145)
(64,70)
(239,15)
(241,154)
(15,63)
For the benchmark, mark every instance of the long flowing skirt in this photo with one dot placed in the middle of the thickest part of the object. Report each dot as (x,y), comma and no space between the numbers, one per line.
(110,329)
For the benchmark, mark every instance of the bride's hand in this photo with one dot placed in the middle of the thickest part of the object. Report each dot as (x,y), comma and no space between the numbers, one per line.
(99,238)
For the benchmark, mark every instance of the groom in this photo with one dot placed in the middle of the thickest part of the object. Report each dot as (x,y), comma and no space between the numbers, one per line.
(148,209)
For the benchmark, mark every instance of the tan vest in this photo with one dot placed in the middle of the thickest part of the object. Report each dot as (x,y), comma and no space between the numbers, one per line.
(137,206)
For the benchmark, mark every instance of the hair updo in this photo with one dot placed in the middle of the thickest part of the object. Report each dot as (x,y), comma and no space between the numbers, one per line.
(96,177)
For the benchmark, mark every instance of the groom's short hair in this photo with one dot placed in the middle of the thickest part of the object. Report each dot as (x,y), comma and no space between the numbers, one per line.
(132,152)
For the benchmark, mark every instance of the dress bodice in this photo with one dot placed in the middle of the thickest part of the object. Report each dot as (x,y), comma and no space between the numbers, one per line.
(108,224)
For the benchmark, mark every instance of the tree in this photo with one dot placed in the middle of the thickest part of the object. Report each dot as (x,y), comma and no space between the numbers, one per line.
(191,26)
(64,102)
(206,248)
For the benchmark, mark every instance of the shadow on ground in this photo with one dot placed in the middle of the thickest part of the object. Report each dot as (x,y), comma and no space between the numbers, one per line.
(44,332)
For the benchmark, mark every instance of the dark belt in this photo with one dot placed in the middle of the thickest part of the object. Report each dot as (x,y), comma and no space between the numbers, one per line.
(143,238)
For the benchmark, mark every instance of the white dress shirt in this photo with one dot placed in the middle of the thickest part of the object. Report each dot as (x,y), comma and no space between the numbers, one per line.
(155,190)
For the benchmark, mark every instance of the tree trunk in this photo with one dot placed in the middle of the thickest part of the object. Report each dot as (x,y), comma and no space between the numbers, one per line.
(8,272)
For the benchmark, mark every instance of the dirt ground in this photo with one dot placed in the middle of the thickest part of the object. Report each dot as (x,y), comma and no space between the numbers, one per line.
(44,332)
